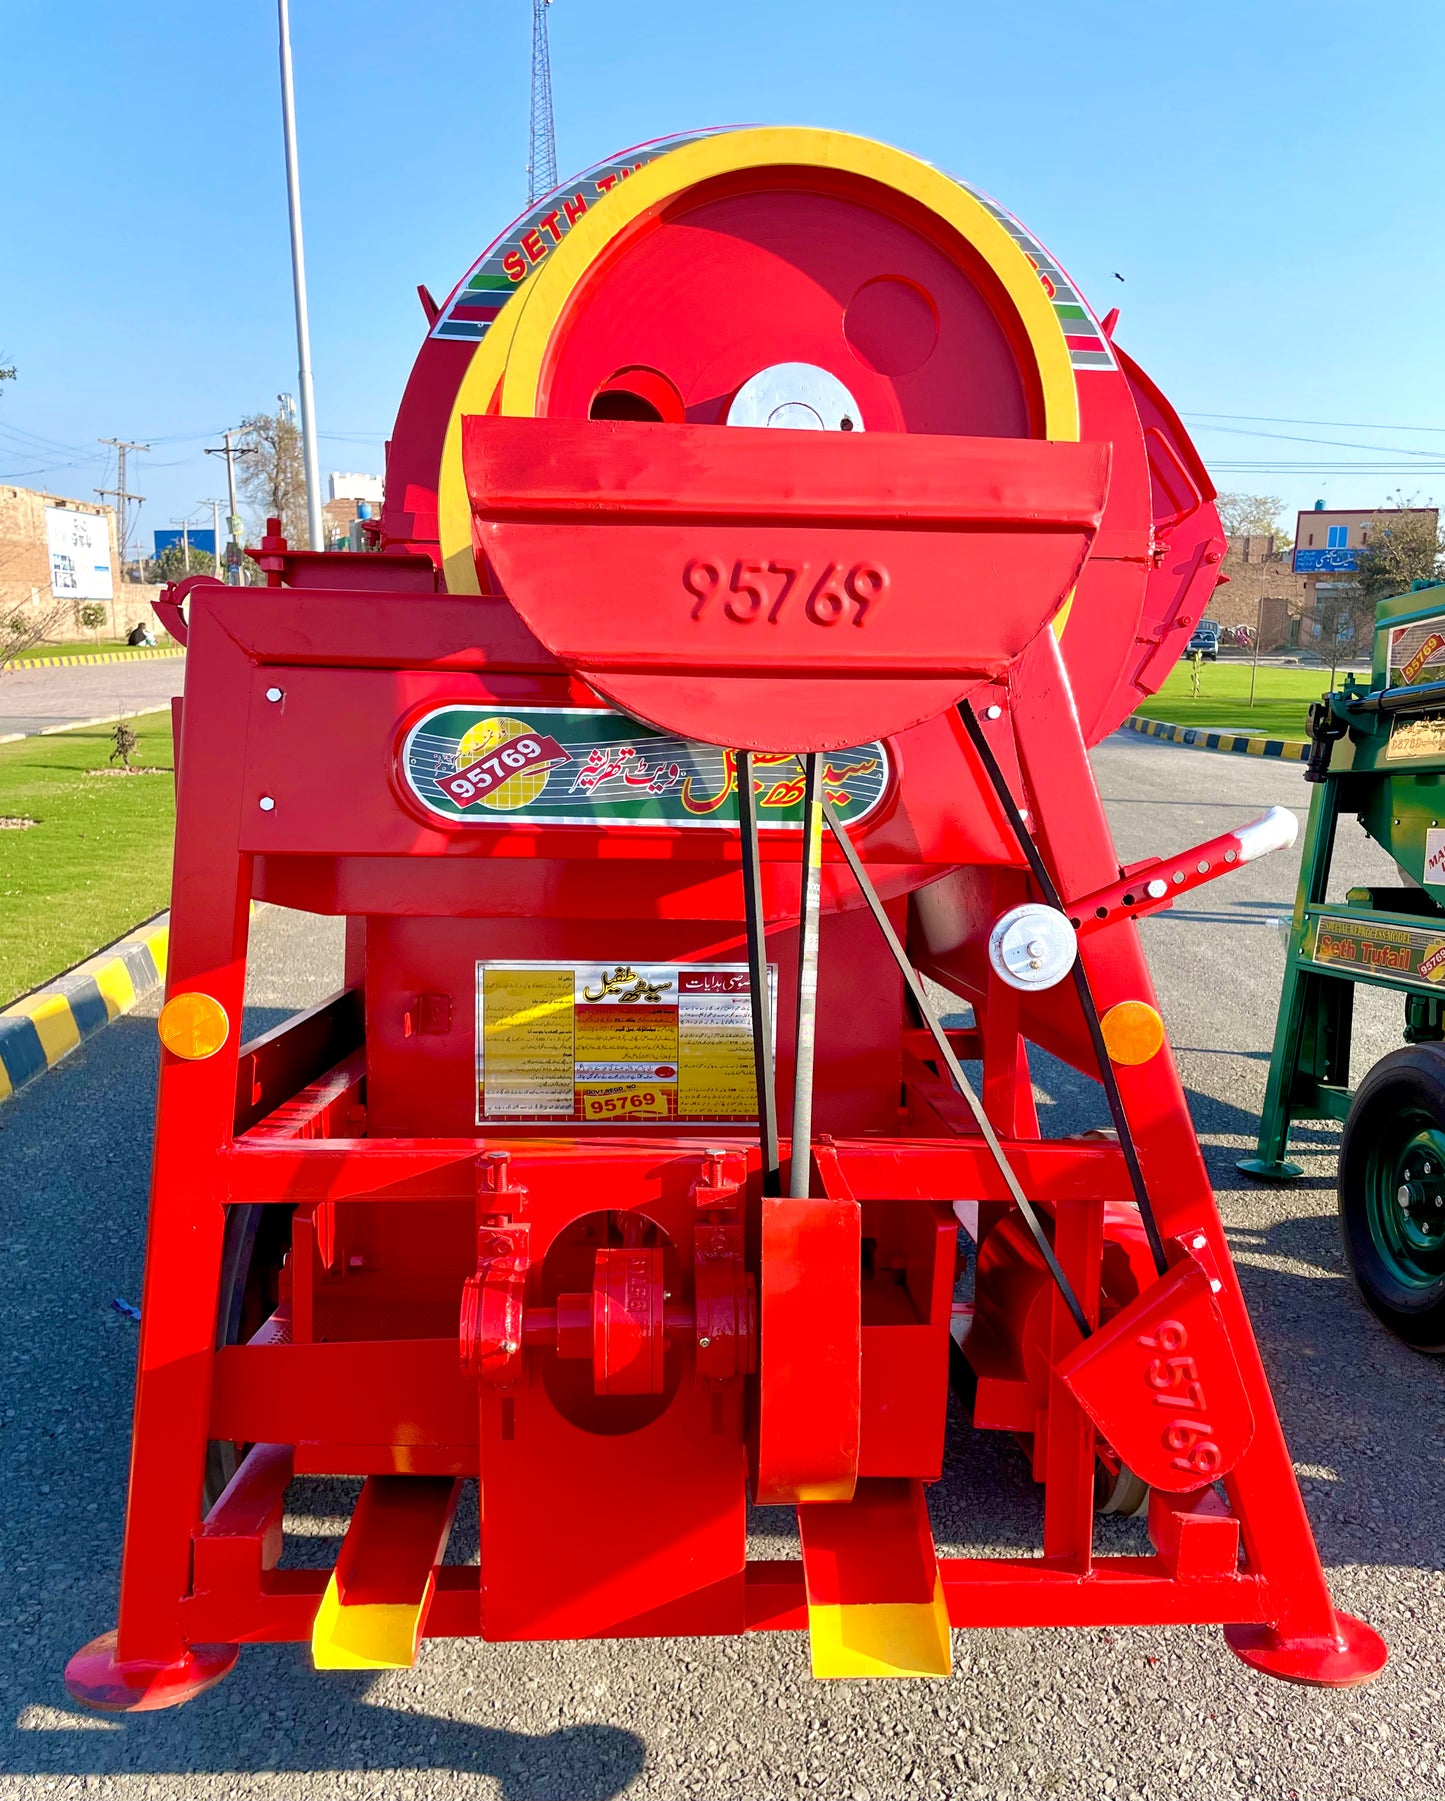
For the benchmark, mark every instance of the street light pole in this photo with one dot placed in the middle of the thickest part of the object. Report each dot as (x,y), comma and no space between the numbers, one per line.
(298,281)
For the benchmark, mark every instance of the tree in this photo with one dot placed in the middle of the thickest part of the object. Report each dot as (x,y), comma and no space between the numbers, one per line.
(1252,515)
(28,626)
(90,616)
(170,565)
(1345,621)
(273,472)
(1403,544)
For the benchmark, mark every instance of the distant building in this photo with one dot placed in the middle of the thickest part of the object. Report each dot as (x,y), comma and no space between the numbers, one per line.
(1262,591)
(1328,542)
(53,548)
(355,499)
(355,487)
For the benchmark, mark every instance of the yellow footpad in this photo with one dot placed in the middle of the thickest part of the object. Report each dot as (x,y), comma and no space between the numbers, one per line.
(375,1606)
(875,1597)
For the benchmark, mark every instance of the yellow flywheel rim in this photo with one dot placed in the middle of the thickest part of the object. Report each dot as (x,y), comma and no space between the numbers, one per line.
(514,352)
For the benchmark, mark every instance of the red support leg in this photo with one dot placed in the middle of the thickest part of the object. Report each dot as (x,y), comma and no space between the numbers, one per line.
(1305,1639)
(147,1663)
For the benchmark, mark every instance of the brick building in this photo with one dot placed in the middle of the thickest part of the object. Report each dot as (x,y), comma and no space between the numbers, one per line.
(1263,591)
(57,555)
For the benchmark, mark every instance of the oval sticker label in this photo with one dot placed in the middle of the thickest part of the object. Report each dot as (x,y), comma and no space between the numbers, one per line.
(471,765)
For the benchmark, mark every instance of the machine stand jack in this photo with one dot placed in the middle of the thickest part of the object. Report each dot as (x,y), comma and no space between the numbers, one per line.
(1269,1169)
(97,1678)
(1353,1656)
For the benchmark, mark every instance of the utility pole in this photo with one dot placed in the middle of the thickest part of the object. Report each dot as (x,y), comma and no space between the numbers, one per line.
(542,143)
(314,526)
(230,452)
(185,526)
(121,494)
(216,535)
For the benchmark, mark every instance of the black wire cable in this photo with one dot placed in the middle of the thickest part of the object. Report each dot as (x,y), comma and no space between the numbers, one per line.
(1081,984)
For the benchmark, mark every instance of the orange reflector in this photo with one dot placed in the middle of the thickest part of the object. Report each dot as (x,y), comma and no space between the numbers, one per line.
(193,1025)
(1133,1032)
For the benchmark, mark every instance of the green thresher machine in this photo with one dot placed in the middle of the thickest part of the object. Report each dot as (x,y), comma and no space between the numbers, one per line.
(1377,751)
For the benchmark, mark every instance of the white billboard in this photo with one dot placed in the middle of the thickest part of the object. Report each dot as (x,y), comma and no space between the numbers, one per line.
(79,554)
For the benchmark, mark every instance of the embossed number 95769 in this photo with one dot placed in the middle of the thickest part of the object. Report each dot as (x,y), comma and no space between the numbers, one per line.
(762,590)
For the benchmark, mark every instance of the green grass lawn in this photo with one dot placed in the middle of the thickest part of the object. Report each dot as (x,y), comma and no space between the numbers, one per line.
(1281,699)
(80,647)
(96,862)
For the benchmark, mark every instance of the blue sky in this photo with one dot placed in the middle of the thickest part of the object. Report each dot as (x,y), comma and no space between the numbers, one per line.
(1264,175)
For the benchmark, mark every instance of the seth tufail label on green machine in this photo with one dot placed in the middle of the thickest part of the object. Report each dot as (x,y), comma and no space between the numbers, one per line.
(1364,945)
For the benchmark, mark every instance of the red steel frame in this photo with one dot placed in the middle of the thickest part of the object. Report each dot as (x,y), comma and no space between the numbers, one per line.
(283,1122)
(621,1331)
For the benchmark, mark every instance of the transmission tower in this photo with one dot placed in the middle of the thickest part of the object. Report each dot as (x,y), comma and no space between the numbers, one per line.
(542,147)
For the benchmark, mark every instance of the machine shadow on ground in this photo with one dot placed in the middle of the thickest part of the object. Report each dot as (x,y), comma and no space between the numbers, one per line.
(1361,1413)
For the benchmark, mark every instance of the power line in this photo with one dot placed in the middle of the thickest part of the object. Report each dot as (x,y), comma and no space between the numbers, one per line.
(1346,424)
(1336,443)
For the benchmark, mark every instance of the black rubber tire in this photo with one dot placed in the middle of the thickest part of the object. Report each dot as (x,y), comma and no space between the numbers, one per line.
(1399,1271)
(255,1246)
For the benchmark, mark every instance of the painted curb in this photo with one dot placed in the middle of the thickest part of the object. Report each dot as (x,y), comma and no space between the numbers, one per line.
(43,1027)
(1239,744)
(79,725)
(21,664)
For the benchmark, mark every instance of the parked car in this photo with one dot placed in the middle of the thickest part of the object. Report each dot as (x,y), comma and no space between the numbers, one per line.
(1205,640)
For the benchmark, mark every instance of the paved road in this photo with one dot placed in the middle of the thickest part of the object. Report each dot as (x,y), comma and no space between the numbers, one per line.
(33,699)
(1133,1715)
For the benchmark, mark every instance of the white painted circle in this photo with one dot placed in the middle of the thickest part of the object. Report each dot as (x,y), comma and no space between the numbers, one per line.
(1032,946)
(795,397)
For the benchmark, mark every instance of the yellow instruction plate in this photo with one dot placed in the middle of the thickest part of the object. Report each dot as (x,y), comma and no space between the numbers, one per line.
(616,1043)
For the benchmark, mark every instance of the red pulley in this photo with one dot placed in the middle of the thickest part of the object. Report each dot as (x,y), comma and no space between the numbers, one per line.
(627,1321)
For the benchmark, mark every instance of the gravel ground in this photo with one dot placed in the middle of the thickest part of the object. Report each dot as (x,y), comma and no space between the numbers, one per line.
(31,700)
(1136,1715)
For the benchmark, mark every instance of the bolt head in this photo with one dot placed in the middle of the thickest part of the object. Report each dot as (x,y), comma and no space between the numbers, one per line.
(993,712)
(510,1347)
(267,804)
(273,694)
(1402,1195)
(1198,1243)
(703,1343)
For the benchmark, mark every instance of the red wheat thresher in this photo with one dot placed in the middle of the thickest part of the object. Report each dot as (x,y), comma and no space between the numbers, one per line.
(654,760)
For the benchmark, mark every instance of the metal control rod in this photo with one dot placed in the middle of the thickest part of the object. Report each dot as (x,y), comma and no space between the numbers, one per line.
(801,1155)
(946,1053)
(1087,1004)
(760,991)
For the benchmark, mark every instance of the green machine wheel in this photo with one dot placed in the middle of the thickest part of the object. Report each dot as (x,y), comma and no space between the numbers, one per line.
(1392,1193)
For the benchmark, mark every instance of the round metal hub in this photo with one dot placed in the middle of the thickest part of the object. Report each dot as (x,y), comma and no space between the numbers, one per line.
(795,397)
(1405,1199)
(1032,946)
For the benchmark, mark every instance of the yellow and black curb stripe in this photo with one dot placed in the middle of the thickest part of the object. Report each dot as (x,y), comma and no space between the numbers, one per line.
(94,656)
(40,1029)
(1240,744)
